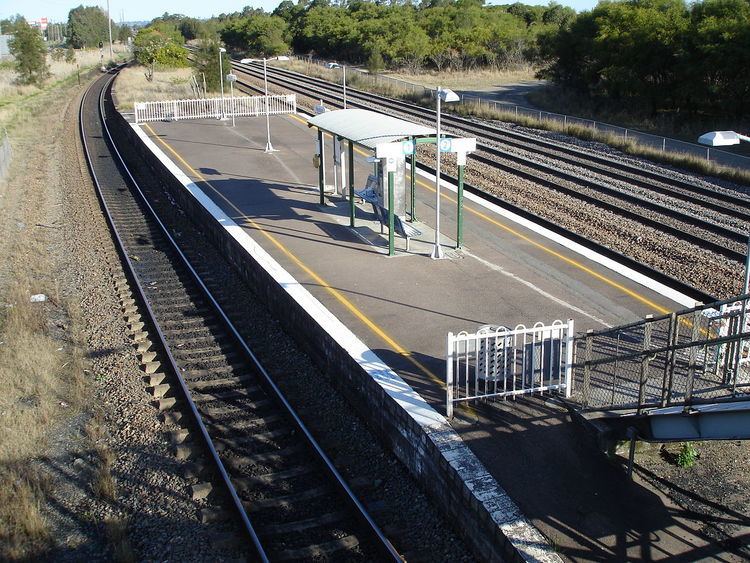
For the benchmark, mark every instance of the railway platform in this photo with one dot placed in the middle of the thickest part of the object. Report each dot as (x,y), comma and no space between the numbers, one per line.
(403,306)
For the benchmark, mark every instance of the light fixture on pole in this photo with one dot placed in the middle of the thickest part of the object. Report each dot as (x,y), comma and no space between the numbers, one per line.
(442,95)
(222,50)
(232,78)
(269,146)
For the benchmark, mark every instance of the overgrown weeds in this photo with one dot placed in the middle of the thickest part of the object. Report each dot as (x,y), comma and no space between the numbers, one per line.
(117,536)
(103,483)
(23,530)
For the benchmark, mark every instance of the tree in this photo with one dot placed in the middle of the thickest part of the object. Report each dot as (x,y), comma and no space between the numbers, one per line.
(124,32)
(153,46)
(206,63)
(87,26)
(27,46)
(260,35)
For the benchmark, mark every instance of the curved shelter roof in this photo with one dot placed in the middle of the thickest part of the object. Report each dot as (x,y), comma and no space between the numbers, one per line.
(368,128)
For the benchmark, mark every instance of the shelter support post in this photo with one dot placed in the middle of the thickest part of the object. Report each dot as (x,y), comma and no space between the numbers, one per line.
(413,182)
(460,208)
(322,167)
(391,221)
(351,184)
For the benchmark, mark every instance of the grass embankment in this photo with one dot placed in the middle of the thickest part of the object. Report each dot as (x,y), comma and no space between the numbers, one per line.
(472,108)
(131,86)
(42,358)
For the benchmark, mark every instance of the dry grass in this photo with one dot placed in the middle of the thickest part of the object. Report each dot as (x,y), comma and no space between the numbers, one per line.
(41,380)
(122,551)
(23,531)
(481,79)
(103,484)
(132,86)
(59,70)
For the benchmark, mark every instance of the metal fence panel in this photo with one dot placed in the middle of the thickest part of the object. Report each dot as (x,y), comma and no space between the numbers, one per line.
(239,106)
(696,355)
(497,362)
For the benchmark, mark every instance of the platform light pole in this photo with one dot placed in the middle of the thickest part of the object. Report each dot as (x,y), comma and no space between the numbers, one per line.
(442,95)
(222,50)
(232,78)
(269,146)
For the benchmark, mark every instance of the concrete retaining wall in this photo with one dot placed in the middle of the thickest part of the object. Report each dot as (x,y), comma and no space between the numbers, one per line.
(480,510)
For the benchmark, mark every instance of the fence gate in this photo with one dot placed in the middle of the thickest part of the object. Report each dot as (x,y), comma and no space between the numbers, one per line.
(499,362)
(239,106)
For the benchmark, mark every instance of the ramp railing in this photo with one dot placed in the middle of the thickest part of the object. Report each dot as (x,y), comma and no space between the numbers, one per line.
(695,355)
(239,106)
(499,362)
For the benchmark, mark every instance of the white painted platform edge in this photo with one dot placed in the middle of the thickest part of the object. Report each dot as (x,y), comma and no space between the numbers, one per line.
(519,531)
(626,272)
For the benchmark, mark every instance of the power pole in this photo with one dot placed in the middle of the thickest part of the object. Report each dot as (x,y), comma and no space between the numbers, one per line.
(109,25)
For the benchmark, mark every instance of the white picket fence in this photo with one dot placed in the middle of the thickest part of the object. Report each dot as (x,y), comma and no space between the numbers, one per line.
(239,106)
(499,362)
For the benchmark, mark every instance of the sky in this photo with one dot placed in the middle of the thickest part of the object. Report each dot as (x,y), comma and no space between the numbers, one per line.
(144,10)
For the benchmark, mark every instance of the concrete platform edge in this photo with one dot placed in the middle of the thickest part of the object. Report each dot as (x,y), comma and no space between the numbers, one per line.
(486,517)
(592,255)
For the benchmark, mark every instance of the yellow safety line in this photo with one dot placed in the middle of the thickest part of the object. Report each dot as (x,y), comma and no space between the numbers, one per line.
(319,280)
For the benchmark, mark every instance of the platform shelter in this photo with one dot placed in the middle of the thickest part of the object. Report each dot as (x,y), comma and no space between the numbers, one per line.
(378,132)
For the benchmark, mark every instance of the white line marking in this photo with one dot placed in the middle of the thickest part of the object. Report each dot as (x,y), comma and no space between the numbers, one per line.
(535,288)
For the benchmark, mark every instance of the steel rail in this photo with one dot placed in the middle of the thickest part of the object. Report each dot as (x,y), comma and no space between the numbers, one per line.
(693,238)
(498,135)
(124,256)
(381,542)
(535,144)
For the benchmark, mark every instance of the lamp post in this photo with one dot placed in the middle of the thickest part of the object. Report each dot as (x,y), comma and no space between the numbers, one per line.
(222,50)
(232,78)
(442,95)
(269,146)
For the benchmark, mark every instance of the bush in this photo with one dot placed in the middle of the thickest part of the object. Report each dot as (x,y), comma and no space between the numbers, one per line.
(688,455)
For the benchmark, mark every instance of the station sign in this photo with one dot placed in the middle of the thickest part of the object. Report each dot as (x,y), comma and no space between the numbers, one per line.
(231,78)
(459,145)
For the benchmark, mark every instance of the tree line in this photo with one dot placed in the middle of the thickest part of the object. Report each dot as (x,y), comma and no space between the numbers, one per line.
(657,55)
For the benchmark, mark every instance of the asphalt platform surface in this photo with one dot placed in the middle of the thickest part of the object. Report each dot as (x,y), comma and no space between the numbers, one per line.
(505,275)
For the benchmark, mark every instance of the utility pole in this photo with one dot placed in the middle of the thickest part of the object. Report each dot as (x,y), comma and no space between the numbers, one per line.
(109,25)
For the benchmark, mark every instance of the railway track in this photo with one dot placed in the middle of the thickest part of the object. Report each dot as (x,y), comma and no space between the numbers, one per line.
(285,491)
(715,220)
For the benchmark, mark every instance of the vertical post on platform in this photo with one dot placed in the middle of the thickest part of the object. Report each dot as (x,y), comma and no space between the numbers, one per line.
(449,376)
(351,184)
(391,250)
(460,207)
(645,360)
(587,367)
(321,167)
(743,323)
(569,344)
(413,180)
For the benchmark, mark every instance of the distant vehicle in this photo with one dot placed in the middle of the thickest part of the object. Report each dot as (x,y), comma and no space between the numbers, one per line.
(282,58)
(246,61)
(333,65)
